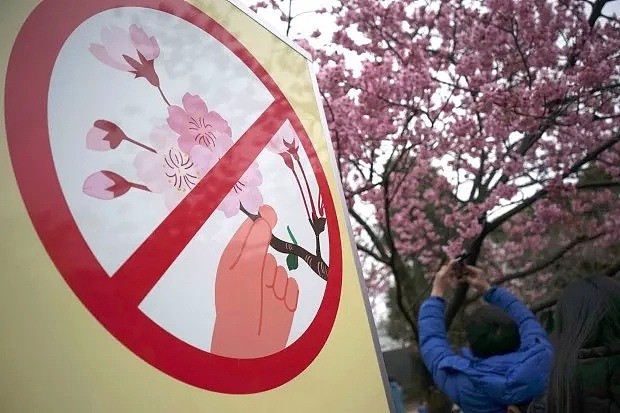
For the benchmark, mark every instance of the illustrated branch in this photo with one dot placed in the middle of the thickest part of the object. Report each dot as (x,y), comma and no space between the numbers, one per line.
(317,220)
(316,263)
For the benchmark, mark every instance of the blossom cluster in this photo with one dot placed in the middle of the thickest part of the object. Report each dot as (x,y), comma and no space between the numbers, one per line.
(182,151)
(463,115)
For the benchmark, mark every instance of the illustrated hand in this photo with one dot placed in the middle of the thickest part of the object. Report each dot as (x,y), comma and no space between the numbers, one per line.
(255,299)
(475,278)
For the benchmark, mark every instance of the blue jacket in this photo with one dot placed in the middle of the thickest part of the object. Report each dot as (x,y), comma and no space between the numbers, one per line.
(486,385)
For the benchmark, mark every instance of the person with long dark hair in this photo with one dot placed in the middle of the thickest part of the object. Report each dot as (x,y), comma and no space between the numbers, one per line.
(585,374)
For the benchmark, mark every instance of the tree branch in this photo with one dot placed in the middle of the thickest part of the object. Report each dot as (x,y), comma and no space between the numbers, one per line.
(370,252)
(336,136)
(597,10)
(488,227)
(399,271)
(590,156)
(373,237)
(598,185)
(314,262)
(398,267)
(551,301)
(553,258)
(289,19)
(362,189)
(514,32)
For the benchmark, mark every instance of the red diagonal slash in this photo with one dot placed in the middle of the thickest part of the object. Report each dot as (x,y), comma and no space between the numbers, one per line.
(115,301)
(137,276)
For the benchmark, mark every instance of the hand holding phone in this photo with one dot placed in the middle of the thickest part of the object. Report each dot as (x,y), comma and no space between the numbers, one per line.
(460,266)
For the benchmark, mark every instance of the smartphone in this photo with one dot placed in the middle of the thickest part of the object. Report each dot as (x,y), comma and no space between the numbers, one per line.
(460,265)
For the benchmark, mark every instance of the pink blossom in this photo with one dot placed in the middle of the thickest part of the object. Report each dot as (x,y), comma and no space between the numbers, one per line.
(104,135)
(169,171)
(245,193)
(105,185)
(286,144)
(284,140)
(128,50)
(196,125)
(527,93)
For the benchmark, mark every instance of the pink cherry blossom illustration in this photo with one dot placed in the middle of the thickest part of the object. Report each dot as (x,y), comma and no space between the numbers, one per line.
(108,185)
(130,50)
(283,140)
(169,170)
(286,144)
(196,125)
(106,135)
(245,193)
(204,158)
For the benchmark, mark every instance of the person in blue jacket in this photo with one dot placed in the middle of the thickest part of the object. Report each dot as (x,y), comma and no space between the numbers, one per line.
(509,355)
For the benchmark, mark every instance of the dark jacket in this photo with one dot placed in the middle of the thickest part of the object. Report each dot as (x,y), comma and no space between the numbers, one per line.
(599,379)
(486,385)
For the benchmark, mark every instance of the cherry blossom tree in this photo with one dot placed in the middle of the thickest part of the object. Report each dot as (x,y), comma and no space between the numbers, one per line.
(476,128)
(470,127)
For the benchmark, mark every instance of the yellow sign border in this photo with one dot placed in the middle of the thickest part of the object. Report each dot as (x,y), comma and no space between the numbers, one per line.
(56,356)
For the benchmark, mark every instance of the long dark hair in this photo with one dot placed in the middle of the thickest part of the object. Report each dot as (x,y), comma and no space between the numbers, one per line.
(587,315)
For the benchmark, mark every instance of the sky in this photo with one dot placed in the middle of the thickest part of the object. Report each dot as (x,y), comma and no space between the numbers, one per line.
(305,23)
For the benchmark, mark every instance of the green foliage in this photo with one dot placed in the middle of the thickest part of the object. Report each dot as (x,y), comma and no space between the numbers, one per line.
(292,260)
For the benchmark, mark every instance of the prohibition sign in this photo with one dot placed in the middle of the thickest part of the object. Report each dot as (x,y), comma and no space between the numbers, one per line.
(114,301)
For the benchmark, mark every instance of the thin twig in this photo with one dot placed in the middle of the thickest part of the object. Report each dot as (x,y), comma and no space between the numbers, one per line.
(315,263)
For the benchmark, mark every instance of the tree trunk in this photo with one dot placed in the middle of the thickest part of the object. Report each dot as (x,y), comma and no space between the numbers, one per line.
(436,401)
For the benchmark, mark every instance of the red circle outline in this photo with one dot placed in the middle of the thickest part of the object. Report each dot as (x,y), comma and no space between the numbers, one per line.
(28,74)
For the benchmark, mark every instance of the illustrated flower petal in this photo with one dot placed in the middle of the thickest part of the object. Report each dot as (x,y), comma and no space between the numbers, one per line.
(251,199)
(196,125)
(118,43)
(178,119)
(149,168)
(168,170)
(105,185)
(104,135)
(101,53)
(128,50)
(194,105)
(284,140)
(95,140)
(203,158)
(245,192)
(147,46)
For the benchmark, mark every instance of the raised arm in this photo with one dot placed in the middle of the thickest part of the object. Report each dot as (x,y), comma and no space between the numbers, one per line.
(434,346)
(530,329)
